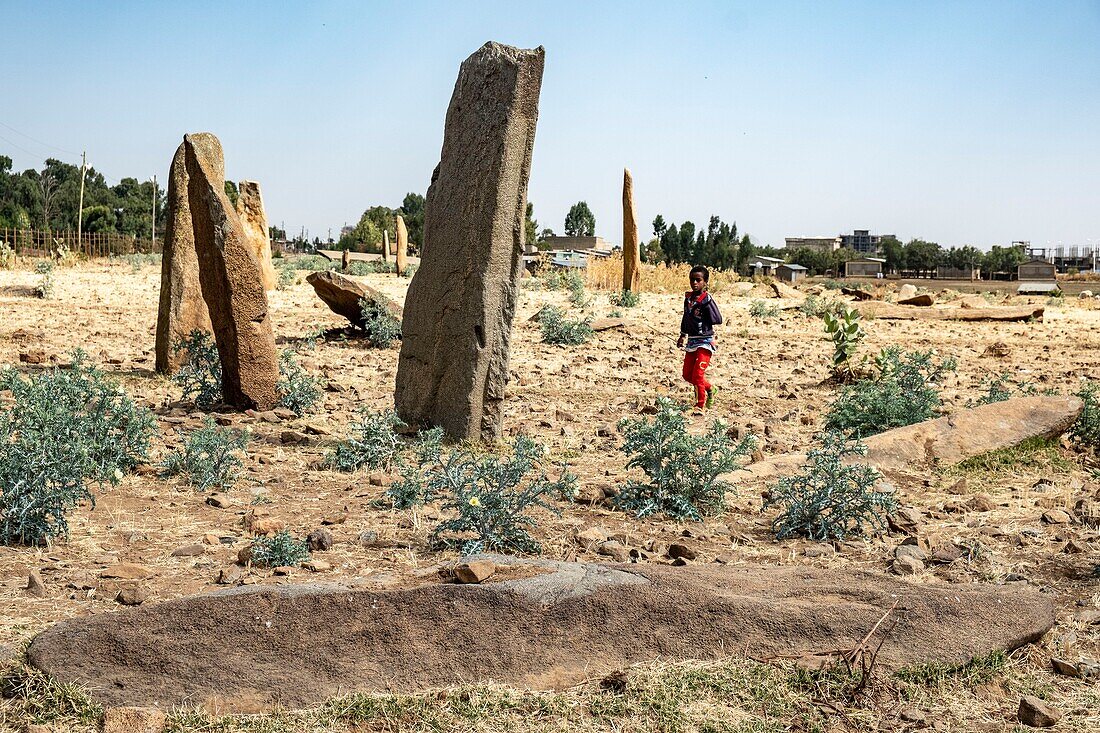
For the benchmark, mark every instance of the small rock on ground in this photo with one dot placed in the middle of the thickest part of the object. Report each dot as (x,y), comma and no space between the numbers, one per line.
(474,571)
(1036,713)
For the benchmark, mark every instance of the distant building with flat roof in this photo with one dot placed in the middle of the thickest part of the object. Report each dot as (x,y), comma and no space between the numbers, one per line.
(818,244)
(861,240)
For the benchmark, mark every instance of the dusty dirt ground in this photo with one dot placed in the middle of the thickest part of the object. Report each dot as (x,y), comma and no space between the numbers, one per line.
(773,379)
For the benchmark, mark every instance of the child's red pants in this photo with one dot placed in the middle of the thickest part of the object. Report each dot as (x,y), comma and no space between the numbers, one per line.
(695,373)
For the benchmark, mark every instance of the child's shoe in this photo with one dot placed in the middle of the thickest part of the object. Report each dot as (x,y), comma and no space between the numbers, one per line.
(710,397)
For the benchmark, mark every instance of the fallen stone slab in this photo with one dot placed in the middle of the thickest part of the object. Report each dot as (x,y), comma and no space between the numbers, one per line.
(535,624)
(857,293)
(889,311)
(786,291)
(951,439)
(342,295)
(607,324)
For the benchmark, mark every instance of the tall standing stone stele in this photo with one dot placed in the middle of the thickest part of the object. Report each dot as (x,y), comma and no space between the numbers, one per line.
(632,254)
(459,308)
(250,210)
(182,309)
(402,246)
(231,280)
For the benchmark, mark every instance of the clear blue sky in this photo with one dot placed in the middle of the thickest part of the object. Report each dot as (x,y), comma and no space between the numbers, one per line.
(961,122)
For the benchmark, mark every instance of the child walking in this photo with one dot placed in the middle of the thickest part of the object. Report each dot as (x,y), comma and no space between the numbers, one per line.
(697,329)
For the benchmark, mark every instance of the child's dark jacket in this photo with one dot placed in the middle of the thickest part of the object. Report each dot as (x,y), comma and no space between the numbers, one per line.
(700,315)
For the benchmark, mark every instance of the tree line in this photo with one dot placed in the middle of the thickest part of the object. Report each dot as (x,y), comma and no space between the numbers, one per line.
(48,199)
(367,234)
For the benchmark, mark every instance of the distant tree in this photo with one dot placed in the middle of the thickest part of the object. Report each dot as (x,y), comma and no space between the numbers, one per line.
(651,252)
(99,219)
(894,253)
(580,221)
(659,226)
(231,192)
(1002,259)
(530,226)
(384,220)
(966,257)
(922,256)
(546,233)
(670,245)
(412,211)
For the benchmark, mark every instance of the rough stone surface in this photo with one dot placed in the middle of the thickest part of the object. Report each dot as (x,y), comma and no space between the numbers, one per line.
(532,627)
(948,440)
(182,309)
(1036,713)
(231,280)
(460,304)
(924,300)
(250,209)
(342,295)
(632,253)
(402,254)
(475,571)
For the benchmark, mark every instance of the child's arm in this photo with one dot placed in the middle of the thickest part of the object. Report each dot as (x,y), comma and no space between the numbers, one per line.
(715,314)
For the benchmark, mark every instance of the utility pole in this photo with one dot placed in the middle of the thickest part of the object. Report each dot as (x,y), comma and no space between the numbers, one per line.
(153,226)
(80,206)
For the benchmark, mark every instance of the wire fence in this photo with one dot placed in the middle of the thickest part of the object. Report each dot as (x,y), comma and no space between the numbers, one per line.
(33,243)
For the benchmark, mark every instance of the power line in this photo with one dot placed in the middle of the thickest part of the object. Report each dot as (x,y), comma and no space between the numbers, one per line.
(18,147)
(17,132)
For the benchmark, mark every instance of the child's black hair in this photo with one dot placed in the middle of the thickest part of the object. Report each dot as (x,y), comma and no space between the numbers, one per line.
(700,269)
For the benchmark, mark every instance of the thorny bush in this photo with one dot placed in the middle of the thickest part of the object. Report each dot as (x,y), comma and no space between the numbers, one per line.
(210,457)
(557,329)
(624,299)
(1085,432)
(200,374)
(763,310)
(279,550)
(830,499)
(682,470)
(44,289)
(373,443)
(297,390)
(379,323)
(904,391)
(64,429)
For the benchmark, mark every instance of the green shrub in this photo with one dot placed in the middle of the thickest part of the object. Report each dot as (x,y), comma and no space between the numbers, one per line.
(904,392)
(762,309)
(210,457)
(844,329)
(557,329)
(297,390)
(379,323)
(200,374)
(313,263)
(7,256)
(361,267)
(373,444)
(279,550)
(816,307)
(288,278)
(64,429)
(565,279)
(830,499)
(44,288)
(1085,432)
(682,470)
(411,490)
(625,299)
(491,497)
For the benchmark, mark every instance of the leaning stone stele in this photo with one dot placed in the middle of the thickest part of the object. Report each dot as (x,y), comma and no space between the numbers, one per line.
(632,255)
(402,246)
(385,245)
(182,309)
(250,210)
(458,312)
(231,280)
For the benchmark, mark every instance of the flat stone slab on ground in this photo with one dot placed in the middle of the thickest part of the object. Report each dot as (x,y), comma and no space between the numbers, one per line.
(536,624)
(342,295)
(889,311)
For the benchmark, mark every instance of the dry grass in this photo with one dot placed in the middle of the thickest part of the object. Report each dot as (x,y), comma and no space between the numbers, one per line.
(607,274)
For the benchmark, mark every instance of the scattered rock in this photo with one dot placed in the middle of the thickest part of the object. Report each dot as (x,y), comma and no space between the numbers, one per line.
(1063,667)
(293,437)
(134,720)
(1036,713)
(981,503)
(211,539)
(189,551)
(923,300)
(132,595)
(913,551)
(474,571)
(682,551)
(229,576)
(33,356)
(615,550)
(317,566)
(607,324)
(35,586)
(906,291)
(128,571)
(221,501)
(907,565)
(319,540)
(1056,516)
(590,536)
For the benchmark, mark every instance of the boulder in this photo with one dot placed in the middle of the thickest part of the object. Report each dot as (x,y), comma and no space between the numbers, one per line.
(1036,713)
(232,281)
(342,295)
(250,209)
(906,291)
(134,720)
(782,290)
(632,253)
(457,327)
(533,627)
(182,308)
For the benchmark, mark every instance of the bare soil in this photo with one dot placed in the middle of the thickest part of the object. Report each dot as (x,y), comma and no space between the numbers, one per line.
(773,376)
